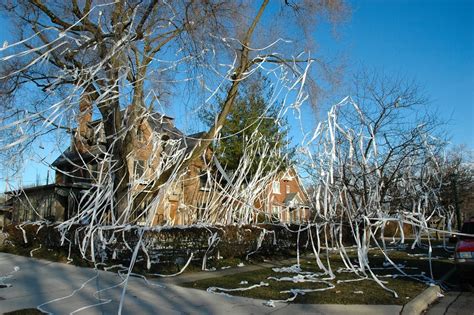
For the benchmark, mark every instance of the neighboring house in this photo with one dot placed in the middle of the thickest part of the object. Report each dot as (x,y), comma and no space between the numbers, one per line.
(5,212)
(32,203)
(285,199)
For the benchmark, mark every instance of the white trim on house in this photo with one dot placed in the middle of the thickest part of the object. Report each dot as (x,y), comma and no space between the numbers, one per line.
(276,187)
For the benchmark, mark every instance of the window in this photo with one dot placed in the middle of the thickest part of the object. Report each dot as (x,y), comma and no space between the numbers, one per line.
(203,181)
(201,212)
(140,136)
(275,215)
(140,214)
(288,190)
(138,168)
(276,187)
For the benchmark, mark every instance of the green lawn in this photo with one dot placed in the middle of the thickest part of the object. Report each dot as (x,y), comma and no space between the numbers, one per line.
(364,291)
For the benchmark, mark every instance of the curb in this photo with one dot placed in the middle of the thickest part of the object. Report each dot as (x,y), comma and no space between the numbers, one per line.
(421,301)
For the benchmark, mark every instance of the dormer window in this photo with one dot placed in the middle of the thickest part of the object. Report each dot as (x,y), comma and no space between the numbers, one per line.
(276,187)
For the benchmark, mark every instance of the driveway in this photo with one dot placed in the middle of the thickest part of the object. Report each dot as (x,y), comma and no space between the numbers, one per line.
(65,289)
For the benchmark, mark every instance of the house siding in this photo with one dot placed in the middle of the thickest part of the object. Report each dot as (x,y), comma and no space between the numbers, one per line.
(289,184)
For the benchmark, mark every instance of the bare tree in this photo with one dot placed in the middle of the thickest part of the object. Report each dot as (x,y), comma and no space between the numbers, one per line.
(380,149)
(458,180)
(395,137)
(105,59)
(374,161)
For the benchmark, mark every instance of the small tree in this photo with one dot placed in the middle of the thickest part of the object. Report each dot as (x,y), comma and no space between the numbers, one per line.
(458,181)
(254,114)
(378,150)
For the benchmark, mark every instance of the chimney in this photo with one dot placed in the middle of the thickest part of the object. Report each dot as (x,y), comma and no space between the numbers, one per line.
(83,132)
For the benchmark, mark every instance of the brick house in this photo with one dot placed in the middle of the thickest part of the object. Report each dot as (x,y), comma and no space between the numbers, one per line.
(285,199)
(78,168)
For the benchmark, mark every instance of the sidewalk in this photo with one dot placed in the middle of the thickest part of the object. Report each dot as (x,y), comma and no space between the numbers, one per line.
(78,290)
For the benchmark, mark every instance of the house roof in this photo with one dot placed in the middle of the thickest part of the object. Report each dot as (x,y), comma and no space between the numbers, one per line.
(159,123)
(69,156)
(197,135)
(291,174)
(163,124)
(290,197)
(40,188)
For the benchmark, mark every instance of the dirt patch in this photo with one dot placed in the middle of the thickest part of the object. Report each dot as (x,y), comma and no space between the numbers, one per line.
(26,311)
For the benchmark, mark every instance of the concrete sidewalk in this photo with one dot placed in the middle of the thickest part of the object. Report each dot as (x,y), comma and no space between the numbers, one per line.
(68,289)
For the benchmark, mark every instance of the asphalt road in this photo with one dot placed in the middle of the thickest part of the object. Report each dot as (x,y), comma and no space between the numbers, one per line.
(454,303)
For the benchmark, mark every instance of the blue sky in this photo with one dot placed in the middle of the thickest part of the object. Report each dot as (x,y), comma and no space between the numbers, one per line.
(430,41)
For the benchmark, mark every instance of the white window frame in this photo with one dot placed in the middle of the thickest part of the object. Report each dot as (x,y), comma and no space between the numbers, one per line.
(276,187)
(288,189)
(275,209)
(204,186)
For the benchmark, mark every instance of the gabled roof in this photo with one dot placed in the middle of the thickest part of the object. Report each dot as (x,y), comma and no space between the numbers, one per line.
(69,156)
(190,141)
(291,174)
(163,124)
(40,188)
(290,197)
(159,123)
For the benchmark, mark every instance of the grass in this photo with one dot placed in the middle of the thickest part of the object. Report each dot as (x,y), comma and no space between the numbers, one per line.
(411,258)
(345,292)
(194,266)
